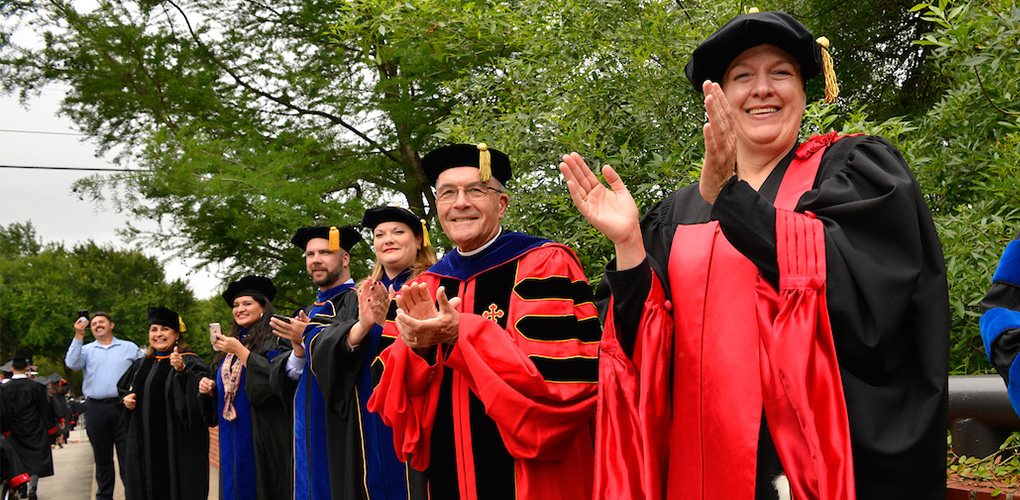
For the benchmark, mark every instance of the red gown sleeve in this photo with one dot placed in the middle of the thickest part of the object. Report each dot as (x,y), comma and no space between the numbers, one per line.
(407,398)
(634,405)
(801,385)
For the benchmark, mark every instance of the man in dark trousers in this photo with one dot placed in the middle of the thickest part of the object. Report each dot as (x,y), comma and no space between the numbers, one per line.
(318,457)
(102,362)
(27,421)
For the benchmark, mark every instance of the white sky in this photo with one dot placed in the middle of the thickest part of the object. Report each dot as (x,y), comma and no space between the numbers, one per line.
(45,197)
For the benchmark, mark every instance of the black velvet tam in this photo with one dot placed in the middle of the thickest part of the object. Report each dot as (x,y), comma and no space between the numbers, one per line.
(464,155)
(712,58)
(348,236)
(248,286)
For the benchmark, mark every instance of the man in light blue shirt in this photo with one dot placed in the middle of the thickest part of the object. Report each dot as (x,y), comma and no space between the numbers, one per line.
(103,362)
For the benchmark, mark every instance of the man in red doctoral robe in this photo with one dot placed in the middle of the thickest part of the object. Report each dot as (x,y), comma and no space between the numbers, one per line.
(491,393)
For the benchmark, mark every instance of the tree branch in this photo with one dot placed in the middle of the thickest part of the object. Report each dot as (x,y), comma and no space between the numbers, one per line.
(328,116)
(989,98)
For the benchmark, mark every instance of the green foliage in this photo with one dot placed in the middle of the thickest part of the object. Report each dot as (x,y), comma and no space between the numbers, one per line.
(1000,469)
(41,293)
(965,152)
(245,120)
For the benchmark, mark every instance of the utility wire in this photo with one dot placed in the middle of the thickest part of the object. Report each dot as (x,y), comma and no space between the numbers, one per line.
(42,132)
(78,169)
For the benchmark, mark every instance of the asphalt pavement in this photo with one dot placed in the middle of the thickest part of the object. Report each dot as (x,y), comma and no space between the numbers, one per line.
(74,476)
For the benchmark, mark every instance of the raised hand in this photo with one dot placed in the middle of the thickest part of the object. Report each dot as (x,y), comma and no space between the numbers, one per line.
(421,323)
(176,360)
(720,143)
(292,331)
(373,304)
(611,210)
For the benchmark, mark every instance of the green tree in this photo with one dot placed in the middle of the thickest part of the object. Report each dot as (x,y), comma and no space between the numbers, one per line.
(42,291)
(247,119)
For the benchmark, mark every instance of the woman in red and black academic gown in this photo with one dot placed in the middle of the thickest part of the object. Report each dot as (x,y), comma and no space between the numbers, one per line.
(167,439)
(341,355)
(254,423)
(786,318)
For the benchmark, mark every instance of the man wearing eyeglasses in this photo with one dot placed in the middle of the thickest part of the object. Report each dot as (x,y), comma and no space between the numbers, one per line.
(490,388)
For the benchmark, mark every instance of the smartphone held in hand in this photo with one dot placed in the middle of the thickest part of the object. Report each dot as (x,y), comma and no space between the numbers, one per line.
(84,314)
(282,318)
(214,330)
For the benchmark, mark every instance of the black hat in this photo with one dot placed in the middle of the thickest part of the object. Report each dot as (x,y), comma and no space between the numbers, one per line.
(247,286)
(20,363)
(165,317)
(342,237)
(712,57)
(489,162)
(375,216)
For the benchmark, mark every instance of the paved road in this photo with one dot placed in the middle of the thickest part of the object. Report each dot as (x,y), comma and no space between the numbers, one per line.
(74,476)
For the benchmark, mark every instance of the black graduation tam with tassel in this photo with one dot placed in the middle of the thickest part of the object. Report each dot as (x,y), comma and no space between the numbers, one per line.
(342,237)
(713,57)
(375,216)
(165,317)
(248,286)
(489,162)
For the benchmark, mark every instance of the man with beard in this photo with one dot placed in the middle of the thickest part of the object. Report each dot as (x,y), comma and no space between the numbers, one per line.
(328,263)
(102,362)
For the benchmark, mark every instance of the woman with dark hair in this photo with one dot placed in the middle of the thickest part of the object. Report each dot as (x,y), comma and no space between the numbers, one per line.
(255,427)
(167,440)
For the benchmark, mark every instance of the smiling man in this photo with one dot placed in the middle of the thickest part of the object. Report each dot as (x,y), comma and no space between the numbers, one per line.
(318,449)
(491,394)
(102,363)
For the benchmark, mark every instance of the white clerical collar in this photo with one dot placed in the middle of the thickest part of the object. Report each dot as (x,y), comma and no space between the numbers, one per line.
(483,247)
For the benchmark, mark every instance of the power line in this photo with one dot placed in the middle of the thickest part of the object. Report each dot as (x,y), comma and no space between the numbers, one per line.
(41,132)
(79,169)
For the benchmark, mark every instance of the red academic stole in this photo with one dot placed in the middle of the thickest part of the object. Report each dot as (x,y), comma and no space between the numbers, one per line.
(739,346)
(742,346)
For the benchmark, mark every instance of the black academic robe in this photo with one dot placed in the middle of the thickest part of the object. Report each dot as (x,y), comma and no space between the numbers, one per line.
(13,473)
(62,412)
(320,433)
(269,429)
(371,467)
(167,439)
(887,304)
(28,423)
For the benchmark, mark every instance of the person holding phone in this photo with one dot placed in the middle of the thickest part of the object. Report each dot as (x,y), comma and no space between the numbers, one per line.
(167,438)
(102,363)
(255,445)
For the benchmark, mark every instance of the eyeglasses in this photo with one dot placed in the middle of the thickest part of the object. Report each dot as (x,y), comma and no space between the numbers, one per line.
(474,192)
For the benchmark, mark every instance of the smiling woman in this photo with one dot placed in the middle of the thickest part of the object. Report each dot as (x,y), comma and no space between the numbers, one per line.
(255,446)
(816,348)
(167,440)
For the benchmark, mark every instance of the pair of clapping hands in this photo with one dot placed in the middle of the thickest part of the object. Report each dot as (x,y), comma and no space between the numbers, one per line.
(423,321)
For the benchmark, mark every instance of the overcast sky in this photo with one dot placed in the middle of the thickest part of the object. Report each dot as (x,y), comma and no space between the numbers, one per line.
(37,137)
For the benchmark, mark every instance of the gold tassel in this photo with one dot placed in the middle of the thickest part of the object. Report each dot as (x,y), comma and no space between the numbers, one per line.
(181,321)
(484,163)
(334,239)
(425,234)
(831,87)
